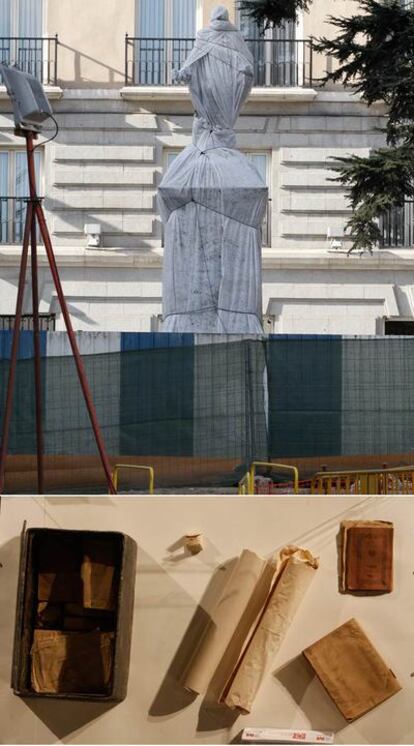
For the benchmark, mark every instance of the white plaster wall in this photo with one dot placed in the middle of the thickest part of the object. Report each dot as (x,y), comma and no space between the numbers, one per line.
(107,163)
(303,293)
(169,587)
(91,35)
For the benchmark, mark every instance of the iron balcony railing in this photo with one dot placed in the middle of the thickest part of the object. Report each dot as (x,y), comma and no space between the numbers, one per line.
(12,219)
(277,62)
(397,226)
(47,322)
(32,54)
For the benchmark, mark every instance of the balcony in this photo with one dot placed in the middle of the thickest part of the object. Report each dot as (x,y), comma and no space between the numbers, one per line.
(47,322)
(34,55)
(397,227)
(278,63)
(12,219)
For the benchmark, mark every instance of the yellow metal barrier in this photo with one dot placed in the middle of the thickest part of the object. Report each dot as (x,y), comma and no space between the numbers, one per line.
(149,469)
(246,485)
(396,481)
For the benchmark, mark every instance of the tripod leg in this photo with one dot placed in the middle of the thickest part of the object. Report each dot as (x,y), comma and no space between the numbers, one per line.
(72,339)
(15,345)
(31,171)
(37,362)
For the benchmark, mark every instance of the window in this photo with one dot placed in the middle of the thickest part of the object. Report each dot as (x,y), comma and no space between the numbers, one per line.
(399,326)
(21,28)
(14,189)
(165,32)
(262,162)
(279,57)
(166,18)
(21,18)
(397,227)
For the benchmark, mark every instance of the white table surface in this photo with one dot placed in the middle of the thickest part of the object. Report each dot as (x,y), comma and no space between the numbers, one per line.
(168,589)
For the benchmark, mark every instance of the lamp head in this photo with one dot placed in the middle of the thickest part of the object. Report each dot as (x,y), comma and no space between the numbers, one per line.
(30,105)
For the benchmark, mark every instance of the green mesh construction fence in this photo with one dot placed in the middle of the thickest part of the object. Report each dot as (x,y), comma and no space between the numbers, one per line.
(201,413)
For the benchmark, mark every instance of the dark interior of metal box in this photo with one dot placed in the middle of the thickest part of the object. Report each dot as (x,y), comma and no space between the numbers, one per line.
(69,613)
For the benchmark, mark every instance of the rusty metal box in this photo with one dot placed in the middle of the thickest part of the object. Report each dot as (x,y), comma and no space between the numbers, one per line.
(75,602)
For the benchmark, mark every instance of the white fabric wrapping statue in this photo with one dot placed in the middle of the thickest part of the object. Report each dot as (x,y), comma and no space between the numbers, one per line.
(212,200)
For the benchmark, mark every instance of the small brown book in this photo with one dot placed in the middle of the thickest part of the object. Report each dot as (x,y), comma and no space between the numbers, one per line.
(351,670)
(367,557)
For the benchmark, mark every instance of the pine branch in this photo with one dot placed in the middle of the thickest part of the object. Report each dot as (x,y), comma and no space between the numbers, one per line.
(365,230)
(374,52)
(376,184)
(267,13)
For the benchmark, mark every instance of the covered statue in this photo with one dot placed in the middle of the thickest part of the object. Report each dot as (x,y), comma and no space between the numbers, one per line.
(212,199)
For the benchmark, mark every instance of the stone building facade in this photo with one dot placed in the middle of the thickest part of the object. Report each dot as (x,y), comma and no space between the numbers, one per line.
(121,121)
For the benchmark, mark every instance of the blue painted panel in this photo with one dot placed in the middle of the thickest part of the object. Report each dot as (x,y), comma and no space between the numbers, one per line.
(25,345)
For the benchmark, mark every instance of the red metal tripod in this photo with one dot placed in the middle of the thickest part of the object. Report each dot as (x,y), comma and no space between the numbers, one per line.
(34,216)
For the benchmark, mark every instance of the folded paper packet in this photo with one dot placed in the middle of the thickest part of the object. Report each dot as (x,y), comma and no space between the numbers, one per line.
(295,571)
(73,662)
(225,616)
(367,557)
(98,574)
(59,587)
(351,670)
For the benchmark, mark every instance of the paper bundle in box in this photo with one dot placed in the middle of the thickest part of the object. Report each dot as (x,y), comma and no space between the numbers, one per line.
(71,661)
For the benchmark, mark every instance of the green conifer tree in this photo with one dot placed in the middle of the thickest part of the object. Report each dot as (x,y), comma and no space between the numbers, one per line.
(268,13)
(374,56)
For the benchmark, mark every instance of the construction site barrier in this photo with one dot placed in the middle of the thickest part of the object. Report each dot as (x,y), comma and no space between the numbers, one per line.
(149,469)
(247,484)
(396,481)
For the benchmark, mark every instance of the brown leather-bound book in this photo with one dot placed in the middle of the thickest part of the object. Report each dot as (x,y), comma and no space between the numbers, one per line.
(351,670)
(367,556)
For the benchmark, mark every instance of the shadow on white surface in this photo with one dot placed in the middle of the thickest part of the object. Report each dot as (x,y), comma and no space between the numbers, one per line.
(308,693)
(178,552)
(64,717)
(172,696)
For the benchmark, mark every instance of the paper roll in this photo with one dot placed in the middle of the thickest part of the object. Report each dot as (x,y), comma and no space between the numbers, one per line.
(295,572)
(225,618)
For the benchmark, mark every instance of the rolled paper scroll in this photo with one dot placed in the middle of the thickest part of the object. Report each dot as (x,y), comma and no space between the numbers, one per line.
(225,617)
(295,572)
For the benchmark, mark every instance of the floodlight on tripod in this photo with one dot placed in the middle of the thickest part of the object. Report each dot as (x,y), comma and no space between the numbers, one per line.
(31,109)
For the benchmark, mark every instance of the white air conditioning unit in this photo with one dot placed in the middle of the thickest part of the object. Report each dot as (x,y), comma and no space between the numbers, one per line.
(335,244)
(93,231)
